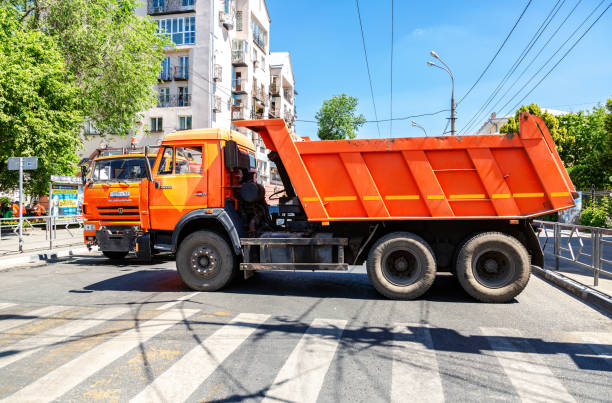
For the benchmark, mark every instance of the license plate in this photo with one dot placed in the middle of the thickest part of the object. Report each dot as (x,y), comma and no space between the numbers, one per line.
(120,194)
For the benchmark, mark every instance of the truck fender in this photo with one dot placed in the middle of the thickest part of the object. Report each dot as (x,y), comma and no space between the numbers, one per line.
(217,214)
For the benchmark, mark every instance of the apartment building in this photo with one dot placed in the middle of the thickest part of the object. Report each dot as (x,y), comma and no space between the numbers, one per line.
(217,71)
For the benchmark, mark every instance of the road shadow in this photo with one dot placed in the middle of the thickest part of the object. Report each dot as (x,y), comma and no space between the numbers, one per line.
(316,285)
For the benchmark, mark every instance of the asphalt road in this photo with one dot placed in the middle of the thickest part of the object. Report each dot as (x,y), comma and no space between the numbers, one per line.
(87,330)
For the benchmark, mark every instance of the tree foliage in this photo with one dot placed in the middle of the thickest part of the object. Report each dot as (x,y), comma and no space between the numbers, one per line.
(338,119)
(39,113)
(113,54)
(583,140)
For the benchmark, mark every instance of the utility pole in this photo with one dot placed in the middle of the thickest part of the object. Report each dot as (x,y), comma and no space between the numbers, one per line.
(20,204)
(453,117)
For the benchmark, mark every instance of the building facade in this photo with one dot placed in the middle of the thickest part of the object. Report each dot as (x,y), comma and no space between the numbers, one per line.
(218,70)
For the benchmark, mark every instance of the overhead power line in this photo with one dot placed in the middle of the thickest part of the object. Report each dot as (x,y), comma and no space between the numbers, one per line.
(552,56)
(562,57)
(537,54)
(391,93)
(496,53)
(388,120)
(365,53)
(475,119)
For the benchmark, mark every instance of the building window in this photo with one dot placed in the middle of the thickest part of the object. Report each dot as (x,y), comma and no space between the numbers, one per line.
(183,96)
(180,30)
(238,20)
(259,35)
(227,6)
(187,3)
(157,4)
(156,124)
(164,97)
(165,73)
(184,122)
(184,67)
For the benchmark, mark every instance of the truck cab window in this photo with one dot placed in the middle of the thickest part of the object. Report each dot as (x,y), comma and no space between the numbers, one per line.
(188,160)
(165,166)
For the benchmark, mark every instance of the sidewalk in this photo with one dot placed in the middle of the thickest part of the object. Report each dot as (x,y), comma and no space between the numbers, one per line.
(37,239)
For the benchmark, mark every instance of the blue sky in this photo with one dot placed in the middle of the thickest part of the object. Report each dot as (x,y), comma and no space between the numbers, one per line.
(324,40)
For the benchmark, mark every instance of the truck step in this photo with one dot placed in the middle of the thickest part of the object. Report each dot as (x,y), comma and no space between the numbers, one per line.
(294,266)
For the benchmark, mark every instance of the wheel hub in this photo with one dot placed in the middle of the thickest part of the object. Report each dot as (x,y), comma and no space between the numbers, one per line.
(493,268)
(401,267)
(204,261)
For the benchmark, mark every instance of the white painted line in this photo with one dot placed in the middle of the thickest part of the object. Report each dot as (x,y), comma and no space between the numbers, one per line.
(532,379)
(184,377)
(301,378)
(5,305)
(28,317)
(59,381)
(415,374)
(62,333)
(600,343)
(172,303)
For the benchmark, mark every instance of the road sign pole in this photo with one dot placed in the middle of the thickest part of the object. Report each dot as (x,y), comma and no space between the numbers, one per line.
(20,205)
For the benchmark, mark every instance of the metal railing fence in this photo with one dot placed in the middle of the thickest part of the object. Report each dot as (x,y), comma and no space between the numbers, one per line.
(577,244)
(68,227)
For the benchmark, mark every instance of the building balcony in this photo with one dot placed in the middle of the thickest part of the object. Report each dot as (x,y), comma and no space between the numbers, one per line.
(168,101)
(164,76)
(288,95)
(274,111)
(275,86)
(160,7)
(239,85)
(180,73)
(238,112)
(239,58)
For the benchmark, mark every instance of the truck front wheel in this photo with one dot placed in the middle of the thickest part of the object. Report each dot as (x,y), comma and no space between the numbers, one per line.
(401,265)
(205,261)
(493,267)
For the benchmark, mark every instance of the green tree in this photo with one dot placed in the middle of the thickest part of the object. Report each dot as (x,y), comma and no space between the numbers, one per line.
(338,118)
(113,54)
(39,115)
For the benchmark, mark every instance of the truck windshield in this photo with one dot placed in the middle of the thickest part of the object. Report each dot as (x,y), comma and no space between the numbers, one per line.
(128,169)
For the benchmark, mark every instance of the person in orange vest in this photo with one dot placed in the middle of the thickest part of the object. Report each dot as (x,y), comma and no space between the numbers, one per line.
(15,208)
(39,209)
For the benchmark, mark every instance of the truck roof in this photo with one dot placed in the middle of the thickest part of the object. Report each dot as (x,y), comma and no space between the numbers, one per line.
(129,155)
(209,134)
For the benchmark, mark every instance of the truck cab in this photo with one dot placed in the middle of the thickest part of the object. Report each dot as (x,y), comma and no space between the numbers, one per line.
(110,202)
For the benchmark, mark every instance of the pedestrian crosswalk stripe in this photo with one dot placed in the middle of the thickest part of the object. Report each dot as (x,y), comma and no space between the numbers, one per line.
(59,334)
(30,316)
(59,381)
(415,373)
(532,379)
(596,342)
(197,365)
(5,305)
(172,303)
(302,375)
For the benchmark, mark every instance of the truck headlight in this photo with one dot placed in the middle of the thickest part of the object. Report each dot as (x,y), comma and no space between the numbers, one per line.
(89,227)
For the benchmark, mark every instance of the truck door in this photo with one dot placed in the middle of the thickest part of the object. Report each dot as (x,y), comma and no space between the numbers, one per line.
(182,186)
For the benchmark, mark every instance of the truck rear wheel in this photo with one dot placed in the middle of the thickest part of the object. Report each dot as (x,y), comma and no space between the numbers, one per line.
(401,265)
(205,261)
(114,255)
(493,267)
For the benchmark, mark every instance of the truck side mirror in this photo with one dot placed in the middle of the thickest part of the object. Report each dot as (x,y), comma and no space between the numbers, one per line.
(84,172)
(148,169)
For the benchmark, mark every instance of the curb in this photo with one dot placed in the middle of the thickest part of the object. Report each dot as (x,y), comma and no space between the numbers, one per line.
(582,291)
(10,263)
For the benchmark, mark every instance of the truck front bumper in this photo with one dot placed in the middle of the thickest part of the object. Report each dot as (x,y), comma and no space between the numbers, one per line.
(116,239)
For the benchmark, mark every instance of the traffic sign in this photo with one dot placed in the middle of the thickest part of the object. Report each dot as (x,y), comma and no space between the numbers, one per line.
(29,163)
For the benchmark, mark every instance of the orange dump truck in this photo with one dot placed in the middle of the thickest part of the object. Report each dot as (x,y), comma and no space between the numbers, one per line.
(408,207)
(110,200)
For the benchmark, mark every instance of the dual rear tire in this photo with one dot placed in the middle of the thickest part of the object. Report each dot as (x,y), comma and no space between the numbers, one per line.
(490,266)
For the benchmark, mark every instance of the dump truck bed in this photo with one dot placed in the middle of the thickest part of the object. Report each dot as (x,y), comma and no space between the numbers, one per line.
(505,176)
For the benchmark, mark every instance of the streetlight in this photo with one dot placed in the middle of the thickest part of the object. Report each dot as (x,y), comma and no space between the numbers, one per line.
(448,70)
(415,124)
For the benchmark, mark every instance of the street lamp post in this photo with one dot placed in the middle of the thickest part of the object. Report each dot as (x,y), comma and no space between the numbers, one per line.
(450,73)
(415,124)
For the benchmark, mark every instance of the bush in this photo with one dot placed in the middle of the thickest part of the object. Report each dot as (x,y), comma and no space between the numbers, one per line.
(597,213)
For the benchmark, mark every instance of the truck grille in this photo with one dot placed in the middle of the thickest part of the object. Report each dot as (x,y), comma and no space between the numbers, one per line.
(129,212)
